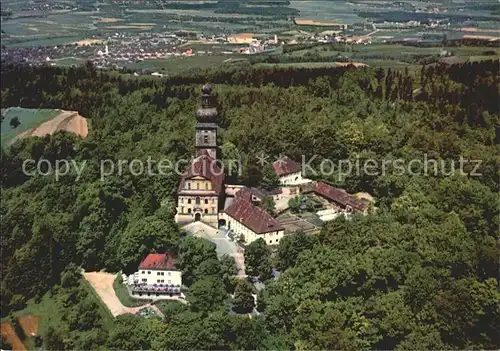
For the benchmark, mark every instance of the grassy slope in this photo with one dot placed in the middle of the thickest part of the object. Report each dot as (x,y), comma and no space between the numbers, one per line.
(29,118)
(123,295)
(51,314)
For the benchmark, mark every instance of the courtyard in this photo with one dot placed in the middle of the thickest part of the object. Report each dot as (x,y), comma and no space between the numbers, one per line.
(222,242)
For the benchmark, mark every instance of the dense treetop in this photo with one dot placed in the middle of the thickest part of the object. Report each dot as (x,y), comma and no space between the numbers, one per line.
(420,272)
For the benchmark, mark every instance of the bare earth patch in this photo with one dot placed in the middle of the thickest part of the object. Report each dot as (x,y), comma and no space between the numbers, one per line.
(9,334)
(108,19)
(88,42)
(69,121)
(308,22)
(102,283)
(30,324)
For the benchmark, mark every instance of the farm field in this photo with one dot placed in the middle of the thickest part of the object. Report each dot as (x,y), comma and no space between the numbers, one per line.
(177,65)
(308,64)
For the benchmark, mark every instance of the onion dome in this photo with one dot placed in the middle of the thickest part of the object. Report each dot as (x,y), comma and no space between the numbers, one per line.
(207,113)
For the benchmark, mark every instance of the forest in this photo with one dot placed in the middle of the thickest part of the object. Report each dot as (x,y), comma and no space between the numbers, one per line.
(420,272)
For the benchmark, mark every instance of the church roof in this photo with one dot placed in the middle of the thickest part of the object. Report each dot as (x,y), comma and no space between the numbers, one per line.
(253,217)
(285,166)
(206,167)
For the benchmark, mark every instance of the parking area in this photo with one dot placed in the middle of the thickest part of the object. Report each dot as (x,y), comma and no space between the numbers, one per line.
(222,242)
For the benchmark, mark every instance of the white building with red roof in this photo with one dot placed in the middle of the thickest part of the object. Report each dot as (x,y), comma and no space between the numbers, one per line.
(251,222)
(289,172)
(157,277)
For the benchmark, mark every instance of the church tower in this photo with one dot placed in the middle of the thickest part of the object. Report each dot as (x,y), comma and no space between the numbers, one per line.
(200,195)
(206,128)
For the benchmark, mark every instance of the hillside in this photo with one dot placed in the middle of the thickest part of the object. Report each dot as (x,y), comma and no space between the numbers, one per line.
(18,123)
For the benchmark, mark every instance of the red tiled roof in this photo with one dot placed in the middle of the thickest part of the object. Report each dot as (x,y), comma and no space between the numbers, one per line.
(285,166)
(251,216)
(339,196)
(206,167)
(244,193)
(159,261)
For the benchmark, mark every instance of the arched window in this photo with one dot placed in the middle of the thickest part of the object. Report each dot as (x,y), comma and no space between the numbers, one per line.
(206,201)
(198,186)
(206,211)
(189,210)
(189,201)
(189,185)
(197,200)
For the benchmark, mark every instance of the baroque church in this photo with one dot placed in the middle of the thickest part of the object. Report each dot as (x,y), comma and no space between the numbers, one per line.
(200,196)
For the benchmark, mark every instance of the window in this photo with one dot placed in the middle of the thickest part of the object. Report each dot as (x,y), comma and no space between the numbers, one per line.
(158,273)
(169,273)
(189,210)
(197,200)
(213,201)
(189,185)
(144,280)
(162,273)
(206,188)
(206,211)
(157,280)
(143,272)
(198,186)
(170,282)
(205,139)
(182,209)
(182,200)
(276,240)
(189,201)
(206,201)
(149,272)
(213,209)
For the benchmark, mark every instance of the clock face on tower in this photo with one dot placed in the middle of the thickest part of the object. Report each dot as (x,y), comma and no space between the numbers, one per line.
(205,138)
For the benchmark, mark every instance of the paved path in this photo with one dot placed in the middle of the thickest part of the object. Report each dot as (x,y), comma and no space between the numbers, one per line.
(103,285)
(219,238)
